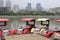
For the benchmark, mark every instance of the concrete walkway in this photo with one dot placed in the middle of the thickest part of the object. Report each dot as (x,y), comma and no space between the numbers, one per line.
(26,37)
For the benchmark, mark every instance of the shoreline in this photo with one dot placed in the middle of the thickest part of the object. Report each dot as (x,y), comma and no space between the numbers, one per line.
(34,16)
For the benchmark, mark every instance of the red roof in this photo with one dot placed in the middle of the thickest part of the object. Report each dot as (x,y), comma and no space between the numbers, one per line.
(27,19)
(3,20)
(58,20)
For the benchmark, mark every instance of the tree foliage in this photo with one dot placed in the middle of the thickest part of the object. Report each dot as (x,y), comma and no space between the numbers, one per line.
(26,13)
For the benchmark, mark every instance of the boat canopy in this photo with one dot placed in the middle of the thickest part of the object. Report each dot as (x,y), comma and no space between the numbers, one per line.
(27,19)
(4,20)
(58,20)
(42,19)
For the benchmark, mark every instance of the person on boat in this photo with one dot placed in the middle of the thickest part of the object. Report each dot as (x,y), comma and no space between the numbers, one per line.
(1,35)
(56,35)
(43,30)
(32,30)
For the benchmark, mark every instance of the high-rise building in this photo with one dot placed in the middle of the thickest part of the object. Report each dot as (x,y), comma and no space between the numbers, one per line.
(8,4)
(1,3)
(28,7)
(4,9)
(15,8)
(38,7)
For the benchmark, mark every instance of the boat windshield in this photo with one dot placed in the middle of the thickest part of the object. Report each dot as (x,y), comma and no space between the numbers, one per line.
(31,22)
(45,22)
(1,23)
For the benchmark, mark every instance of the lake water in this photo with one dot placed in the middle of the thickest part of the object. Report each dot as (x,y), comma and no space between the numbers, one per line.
(15,21)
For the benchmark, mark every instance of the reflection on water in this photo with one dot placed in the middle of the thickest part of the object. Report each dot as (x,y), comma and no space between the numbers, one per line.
(15,22)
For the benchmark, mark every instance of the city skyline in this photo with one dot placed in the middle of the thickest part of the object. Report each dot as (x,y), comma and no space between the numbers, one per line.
(15,7)
(44,3)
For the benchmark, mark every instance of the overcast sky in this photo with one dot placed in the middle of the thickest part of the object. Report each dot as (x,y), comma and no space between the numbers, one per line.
(44,3)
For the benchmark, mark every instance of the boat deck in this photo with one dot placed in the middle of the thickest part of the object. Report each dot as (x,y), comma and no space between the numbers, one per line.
(26,37)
